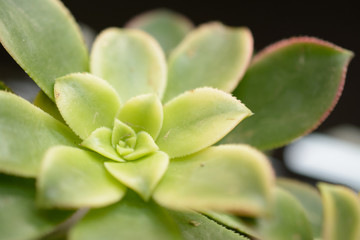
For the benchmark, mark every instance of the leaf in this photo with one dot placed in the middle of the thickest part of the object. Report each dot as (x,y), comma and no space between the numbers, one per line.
(291,87)
(86,102)
(26,133)
(121,132)
(195,226)
(44,40)
(144,146)
(100,142)
(227,178)
(131,61)
(309,198)
(232,222)
(198,119)
(166,26)
(76,178)
(287,220)
(141,175)
(19,216)
(341,212)
(131,218)
(212,55)
(143,113)
(43,102)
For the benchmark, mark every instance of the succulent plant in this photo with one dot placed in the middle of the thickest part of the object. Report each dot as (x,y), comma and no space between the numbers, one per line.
(143,138)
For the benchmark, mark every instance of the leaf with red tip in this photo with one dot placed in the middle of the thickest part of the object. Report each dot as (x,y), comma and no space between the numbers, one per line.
(291,87)
(167,27)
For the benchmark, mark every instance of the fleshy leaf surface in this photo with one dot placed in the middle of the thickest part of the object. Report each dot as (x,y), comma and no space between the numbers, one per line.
(20,218)
(141,175)
(74,178)
(131,61)
(212,55)
(86,102)
(195,226)
(287,220)
(143,113)
(341,213)
(43,102)
(144,146)
(26,132)
(100,142)
(309,198)
(131,218)
(44,39)
(227,178)
(166,26)
(197,119)
(291,86)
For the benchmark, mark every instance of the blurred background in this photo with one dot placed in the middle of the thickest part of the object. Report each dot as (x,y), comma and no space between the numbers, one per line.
(337,143)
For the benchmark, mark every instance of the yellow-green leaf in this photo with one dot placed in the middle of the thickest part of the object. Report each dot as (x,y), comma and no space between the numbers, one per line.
(212,55)
(198,119)
(86,102)
(131,61)
(228,178)
(74,178)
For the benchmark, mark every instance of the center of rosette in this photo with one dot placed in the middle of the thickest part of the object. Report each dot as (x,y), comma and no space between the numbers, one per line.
(121,143)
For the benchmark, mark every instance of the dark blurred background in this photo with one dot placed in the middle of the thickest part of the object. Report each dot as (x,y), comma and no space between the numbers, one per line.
(269,21)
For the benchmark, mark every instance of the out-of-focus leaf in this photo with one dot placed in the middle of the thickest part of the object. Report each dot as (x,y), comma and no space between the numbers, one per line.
(143,113)
(141,175)
(167,27)
(26,133)
(43,38)
(341,213)
(76,178)
(19,216)
(131,61)
(212,55)
(309,198)
(47,105)
(287,220)
(195,226)
(3,87)
(131,218)
(291,87)
(197,119)
(86,102)
(229,178)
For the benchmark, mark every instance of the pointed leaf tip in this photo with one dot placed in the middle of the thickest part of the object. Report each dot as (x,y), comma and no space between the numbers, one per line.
(197,119)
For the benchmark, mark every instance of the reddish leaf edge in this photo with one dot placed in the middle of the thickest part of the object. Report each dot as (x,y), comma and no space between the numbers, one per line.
(299,40)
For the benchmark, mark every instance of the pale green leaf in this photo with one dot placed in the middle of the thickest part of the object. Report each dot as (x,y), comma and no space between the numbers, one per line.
(291,87)
(26,133)
(100,142)
(131,61)
(198,119)
(167,27)
(121,132)
(195,226)
(47,105)
(19,216)
(143,113)
(287,220)
(75,178)
(86,102)
(141,175)
(228,178)
(43,38)
(212,55)
(341,213)
(131,218)
(144,146)
(309,198)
